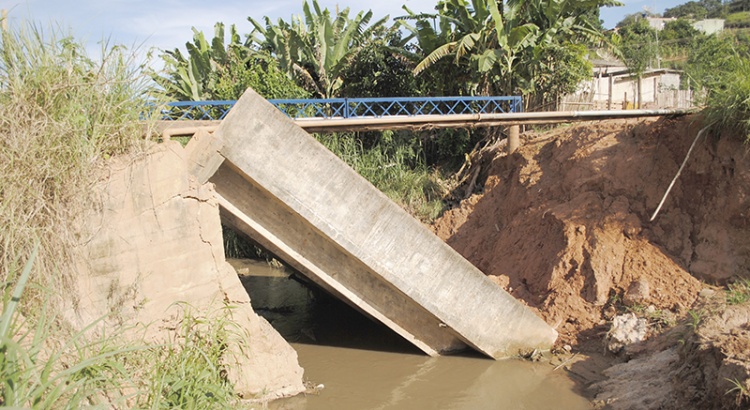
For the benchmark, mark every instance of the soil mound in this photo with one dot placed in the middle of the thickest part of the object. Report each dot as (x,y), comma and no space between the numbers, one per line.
(563,223)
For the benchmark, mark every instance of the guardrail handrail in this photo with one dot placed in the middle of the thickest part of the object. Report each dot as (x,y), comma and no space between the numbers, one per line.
(331,108)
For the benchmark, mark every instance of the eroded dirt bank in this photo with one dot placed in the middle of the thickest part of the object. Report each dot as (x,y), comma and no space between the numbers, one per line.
(563,224)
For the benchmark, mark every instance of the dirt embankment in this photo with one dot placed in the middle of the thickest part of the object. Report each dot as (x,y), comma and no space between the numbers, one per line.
(564,225)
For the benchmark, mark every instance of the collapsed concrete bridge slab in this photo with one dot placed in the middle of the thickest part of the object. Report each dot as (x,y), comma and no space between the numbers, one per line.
(283,189)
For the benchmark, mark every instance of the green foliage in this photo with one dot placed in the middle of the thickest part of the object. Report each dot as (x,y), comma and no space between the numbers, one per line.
(695,318)
(557,70)
(44,365)
(186,373)
(448,147)
(738,20)
(508,48)
(692,9)
(737,6)
(394,165)
(738,292)
(215,71)
(680,29)
(676,41)
(317,50)
(638,46)
(740,390)
(61,114)
(379,70)
(721,66)
(40,368)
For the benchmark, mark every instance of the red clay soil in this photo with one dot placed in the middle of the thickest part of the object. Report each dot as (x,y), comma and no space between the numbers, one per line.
(563,224)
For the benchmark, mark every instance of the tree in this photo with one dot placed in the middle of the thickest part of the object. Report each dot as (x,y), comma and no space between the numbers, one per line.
(676,40)
(507,46)
(215,71)
(691,10)
(380,70)
(319,49)
(639,50)
(698,10)
(738,6)
(634,18)
(483,40)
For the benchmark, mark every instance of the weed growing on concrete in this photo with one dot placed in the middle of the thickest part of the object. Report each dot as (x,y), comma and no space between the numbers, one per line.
(43,365)
(40,368)
(62,114)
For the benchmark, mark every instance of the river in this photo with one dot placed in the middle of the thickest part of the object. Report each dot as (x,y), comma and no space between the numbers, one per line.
(357,363)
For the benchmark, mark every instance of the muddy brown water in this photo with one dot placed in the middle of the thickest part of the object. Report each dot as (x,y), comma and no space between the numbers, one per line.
(360,364)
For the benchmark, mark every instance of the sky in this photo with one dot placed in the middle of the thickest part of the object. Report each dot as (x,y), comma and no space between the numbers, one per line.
(166,24)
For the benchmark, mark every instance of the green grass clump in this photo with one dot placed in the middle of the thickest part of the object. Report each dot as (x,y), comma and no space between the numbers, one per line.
(61,113)
(187,372)
(395,168)
(720,67)
(40,369)
(738,292)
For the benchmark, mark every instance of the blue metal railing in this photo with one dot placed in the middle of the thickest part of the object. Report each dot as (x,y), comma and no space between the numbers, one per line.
(353,107)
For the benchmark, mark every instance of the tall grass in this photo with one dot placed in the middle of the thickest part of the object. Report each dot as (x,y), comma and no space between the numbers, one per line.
(395,167)
(38,369)
(43,366)
(187,373)
(720,66)
(60,114)
(728,106)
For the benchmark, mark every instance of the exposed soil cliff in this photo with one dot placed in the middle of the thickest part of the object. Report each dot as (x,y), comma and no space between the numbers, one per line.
(563,224)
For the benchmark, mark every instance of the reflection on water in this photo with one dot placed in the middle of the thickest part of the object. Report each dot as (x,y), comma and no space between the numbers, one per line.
(364,365)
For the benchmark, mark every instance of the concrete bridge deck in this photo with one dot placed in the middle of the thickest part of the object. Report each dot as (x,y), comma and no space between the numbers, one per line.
(286,191)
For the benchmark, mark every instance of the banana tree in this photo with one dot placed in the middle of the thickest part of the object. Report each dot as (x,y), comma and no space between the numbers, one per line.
(191,78)
(497,40)
(317,49)
(477,36)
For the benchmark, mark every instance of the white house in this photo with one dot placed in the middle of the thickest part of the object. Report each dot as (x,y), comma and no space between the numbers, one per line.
(614,87)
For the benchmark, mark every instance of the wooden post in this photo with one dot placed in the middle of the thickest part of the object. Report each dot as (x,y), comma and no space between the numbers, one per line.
(611,91)
(514,140)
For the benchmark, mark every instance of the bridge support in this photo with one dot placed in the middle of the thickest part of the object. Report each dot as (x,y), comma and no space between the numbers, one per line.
(282,188)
